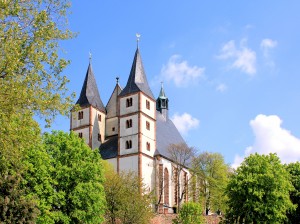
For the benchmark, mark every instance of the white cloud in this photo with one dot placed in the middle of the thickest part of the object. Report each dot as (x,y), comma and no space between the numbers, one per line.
(222,88)
(243,57)
(180,72)
(268,43)
(185,122)
(270,137)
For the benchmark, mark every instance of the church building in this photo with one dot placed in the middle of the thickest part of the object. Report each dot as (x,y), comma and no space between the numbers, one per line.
(133,132)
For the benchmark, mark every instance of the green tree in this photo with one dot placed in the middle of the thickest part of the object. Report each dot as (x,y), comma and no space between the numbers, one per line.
(294,170)
(190,213)
(259,191)
(211,173)
(126,202)
(67,178)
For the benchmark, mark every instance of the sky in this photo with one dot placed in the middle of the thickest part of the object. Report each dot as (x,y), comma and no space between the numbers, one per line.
(230,68)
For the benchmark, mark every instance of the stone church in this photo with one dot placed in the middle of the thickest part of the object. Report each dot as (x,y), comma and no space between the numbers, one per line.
(132,132)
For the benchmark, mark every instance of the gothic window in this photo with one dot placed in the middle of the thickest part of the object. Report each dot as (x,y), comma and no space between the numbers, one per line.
(147,125)
(129,102)
(128,144)
(80,134)
(148,104)
(185,186)
(148,146)
(166,186)
(99,117)
(80,115)
(129,123)
(99,137)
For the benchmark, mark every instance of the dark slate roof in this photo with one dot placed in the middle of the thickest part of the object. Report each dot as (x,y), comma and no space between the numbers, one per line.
(166,134)
(89,93)
(137,80)
(109,149)
(162,94)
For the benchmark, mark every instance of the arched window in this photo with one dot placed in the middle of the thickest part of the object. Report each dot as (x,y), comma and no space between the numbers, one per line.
(129,123)
(80,115)
(129,102)
(80,134)
(148,104)
(99,137)
(147,125)
(128,144)
(148,146)
(166,186)
(99,117)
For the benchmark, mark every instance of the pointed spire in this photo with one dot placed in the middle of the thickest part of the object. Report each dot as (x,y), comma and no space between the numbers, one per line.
(89,93)
(162,91)
(137,81)
(162,102)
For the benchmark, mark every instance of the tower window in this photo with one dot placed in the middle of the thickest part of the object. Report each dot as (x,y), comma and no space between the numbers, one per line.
(99,117)
(129,102)
(99,137)
(113,129)
(128,144)
(129,123)
(147,125)
(148,146)
(163,103)
(80,115)
(80,134)
(148,104)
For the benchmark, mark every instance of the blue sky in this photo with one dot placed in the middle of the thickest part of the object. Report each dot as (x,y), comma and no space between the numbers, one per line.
(230,68)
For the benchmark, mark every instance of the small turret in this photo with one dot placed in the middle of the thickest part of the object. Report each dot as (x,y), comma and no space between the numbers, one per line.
(162,102)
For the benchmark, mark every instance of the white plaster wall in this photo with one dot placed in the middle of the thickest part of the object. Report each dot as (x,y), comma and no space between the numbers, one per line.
(129,163)
(128,131)
(134,149)
(151,112)
(133,108)
(110,123)
(148,173)
(82,122)
(144,140)
(113,162)
(149,133)
(85,134)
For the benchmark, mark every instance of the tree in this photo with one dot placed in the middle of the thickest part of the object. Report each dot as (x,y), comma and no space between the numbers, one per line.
(181,155)
(126,202)
(294,171)
(259,191)
(67,178)
(211,174)
(190,213)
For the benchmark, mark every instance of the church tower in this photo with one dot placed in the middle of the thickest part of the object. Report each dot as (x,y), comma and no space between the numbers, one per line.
(162,103)
(137,124)
(89,120)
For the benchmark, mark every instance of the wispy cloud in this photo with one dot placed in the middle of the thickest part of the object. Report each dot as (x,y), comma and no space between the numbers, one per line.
(270,137)
(180,72)
(242,57)
(266,46)
(268,43)
(222,87)
(185,122)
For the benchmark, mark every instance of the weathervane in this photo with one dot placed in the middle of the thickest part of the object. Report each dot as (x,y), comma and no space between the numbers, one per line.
(90,56)
(137,38)
(117,78)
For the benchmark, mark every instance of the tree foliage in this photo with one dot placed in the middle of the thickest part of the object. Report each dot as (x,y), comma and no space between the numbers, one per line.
(294,170)
(211,173)
(127,199)
(67,178)
(259,191)
(190,213)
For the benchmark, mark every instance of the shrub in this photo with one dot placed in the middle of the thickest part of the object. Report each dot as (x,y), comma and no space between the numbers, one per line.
(190,213)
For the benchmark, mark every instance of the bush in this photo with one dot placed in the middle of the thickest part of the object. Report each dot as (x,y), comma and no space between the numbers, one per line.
(190,213)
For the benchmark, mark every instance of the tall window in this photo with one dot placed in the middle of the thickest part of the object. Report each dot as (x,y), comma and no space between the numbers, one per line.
(80,134)
(148,104)
(80,115)
(129,123)
(129,102)
(166,186)
(147,125)
(99,117)
(148,146)
(128,144)
(99,137)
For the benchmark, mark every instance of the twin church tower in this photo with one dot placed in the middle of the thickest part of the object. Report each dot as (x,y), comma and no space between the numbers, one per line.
(133,131)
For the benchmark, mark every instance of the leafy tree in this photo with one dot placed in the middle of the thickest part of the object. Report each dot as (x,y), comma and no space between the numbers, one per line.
(259,191)
(181,155)
(211,173)
(67,177)
(294,170)
(190,213)
(127,199)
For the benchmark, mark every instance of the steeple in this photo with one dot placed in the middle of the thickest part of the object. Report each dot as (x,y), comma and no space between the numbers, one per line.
(162,102)
(137,81)
(89,93)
